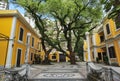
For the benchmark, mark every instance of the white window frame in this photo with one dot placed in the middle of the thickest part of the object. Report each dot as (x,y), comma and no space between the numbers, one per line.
(119,43)
(110,45)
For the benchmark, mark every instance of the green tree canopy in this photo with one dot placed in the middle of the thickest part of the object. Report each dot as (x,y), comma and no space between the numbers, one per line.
(72,18)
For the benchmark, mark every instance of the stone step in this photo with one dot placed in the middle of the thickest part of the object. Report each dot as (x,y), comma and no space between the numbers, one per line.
(58,80)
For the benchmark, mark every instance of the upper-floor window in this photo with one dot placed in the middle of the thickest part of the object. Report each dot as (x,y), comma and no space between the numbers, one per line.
(32,42)
(108,28)
(112,52)
(27,39)
(21,34)
(117,21)
(102,38)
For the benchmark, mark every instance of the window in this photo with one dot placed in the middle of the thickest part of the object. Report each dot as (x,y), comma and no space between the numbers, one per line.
(112,52)
(21,34)
(32,42)
(19,52)
(31,57)
(54,57)
(101,38)
(117,21)
(93,55)
(108,28)
(99,56)
(27,40)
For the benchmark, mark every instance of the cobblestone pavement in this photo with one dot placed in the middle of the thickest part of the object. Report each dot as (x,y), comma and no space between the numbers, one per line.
(58,72)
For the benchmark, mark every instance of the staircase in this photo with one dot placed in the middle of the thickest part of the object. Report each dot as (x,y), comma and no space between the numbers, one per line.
(58,73)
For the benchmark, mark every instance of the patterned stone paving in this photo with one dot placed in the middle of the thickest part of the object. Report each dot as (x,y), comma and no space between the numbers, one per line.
(58,72)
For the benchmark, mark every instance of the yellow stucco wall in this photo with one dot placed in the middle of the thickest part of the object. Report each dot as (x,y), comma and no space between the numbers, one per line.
(5,28)
(113,33)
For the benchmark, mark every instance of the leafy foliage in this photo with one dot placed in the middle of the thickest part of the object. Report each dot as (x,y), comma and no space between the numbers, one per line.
(113,6)
(70,20)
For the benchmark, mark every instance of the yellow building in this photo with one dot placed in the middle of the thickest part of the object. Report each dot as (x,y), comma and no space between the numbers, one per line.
(58,57)
(104,41)
(85,51)
(112,37)
(23,43)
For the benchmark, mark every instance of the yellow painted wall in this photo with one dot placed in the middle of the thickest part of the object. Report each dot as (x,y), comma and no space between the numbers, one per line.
(111,26)
(85,50)
(22,45)
(117,51)
(113,33)
(5,28)
(5,25)
(67,59)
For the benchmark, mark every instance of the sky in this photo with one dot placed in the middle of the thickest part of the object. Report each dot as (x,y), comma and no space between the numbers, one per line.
(14,7)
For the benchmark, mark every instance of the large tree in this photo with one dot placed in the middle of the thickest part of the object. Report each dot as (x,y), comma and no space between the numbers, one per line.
(112,7)
(72,17)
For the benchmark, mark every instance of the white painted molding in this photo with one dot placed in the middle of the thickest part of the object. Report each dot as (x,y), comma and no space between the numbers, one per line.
(88,46)
(11,42)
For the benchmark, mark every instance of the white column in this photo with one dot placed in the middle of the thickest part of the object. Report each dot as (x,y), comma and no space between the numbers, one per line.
(28,47)
(108,53)
(11,42)
(85,57)
(94,49)
(88,45)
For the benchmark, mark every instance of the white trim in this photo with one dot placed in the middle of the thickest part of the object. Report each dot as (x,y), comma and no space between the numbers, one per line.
(11,42)
(88,47)
(94,49)
(108,53)
(109,45)
(17,55)
(119,43)
(28,47)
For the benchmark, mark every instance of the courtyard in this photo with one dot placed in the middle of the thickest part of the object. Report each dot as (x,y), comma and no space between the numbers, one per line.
(58,72)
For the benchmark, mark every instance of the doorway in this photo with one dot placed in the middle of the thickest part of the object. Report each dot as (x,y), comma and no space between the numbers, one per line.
(18,58)
(62,58)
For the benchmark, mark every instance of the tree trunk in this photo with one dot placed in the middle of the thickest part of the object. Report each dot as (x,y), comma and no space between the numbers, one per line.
(46,60)
(72,58)
(72,55)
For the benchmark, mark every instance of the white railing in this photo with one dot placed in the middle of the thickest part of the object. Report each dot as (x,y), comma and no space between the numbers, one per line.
(101,73)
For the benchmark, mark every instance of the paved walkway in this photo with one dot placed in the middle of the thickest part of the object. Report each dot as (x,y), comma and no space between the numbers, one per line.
(58,72)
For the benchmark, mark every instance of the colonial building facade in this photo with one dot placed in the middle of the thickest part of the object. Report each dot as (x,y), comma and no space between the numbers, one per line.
(103,43)
(22,42)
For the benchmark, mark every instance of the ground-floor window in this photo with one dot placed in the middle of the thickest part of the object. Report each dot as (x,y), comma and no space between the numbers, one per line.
(112,52)
(53,57)
(93,55)
(31,58)
(99,56)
